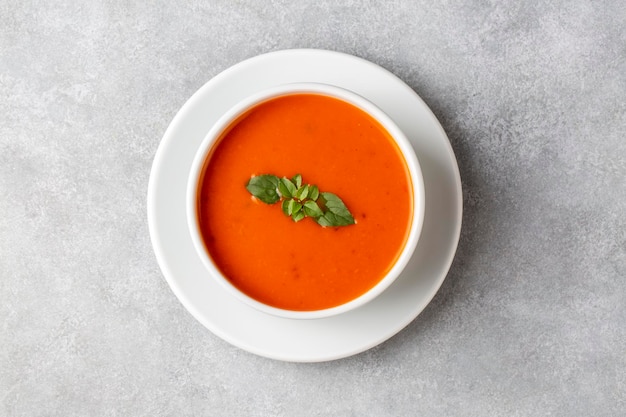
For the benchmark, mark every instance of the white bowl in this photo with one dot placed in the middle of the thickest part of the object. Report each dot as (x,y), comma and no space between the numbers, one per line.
(306,88)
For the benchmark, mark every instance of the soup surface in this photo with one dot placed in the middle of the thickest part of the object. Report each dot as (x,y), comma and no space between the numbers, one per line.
(303,266)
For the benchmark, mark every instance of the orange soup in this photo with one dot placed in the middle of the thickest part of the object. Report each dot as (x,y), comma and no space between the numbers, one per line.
(303,266)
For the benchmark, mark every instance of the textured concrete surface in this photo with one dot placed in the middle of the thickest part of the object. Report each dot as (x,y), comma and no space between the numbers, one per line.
(532,317)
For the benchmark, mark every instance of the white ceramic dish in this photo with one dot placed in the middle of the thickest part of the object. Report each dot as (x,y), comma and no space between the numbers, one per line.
(224,122)
(320,339)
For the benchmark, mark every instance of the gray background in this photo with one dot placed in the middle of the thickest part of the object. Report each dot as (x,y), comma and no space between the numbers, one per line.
(532,317)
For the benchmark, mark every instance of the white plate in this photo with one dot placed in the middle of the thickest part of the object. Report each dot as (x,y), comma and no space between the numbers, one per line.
(320,339)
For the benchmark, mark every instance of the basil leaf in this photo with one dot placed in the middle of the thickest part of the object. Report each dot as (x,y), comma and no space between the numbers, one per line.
(311,209)
(286,188)
(287,209)
(264,188)
(314,192)
(302,192)
(335,212)
(296,217)
(291,206)
(297,206)
(297,179)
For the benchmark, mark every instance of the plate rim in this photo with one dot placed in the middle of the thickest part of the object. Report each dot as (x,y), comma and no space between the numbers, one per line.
(159,250)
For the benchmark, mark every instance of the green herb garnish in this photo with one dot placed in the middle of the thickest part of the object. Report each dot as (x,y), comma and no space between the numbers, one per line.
(301,200)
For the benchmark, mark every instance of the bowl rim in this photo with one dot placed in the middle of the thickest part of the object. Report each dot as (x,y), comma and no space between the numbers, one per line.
(247,104)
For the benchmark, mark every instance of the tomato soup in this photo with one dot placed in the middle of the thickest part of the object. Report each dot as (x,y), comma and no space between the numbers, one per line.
(303,266)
